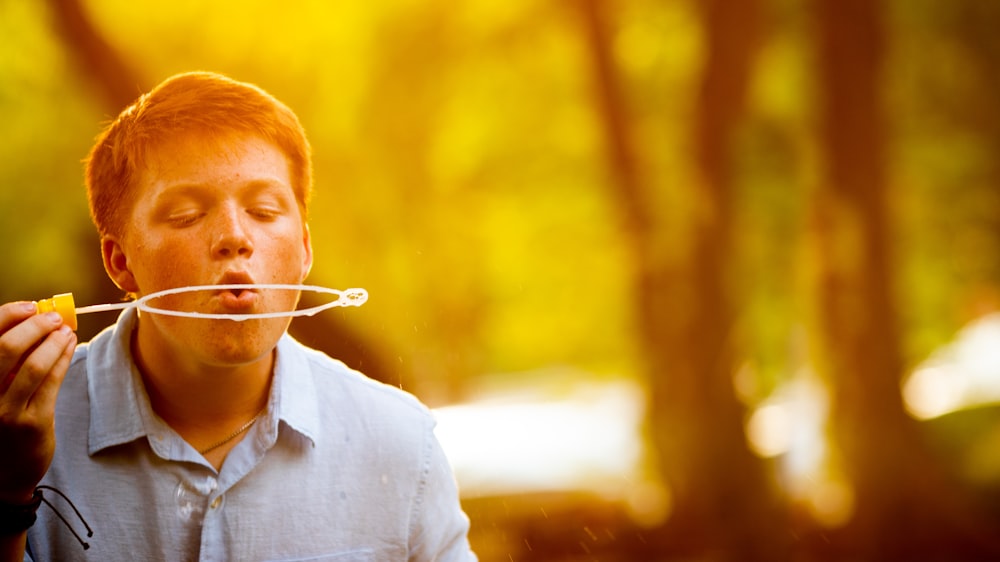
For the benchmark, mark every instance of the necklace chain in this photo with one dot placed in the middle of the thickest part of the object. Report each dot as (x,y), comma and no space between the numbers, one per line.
(234,434)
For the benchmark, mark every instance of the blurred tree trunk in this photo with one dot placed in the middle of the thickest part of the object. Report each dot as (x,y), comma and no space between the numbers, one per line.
(114,80)
(904,507)
(723,504)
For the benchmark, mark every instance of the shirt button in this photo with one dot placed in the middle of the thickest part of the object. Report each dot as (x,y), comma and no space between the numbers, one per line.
(216,502)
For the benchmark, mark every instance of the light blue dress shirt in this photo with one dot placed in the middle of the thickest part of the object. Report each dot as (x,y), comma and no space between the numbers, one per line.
(340,467)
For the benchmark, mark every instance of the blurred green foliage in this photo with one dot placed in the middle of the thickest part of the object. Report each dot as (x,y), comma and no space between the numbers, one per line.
(49,121)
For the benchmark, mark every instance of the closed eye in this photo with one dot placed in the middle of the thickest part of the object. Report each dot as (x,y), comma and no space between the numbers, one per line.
(264,213)
(184,219)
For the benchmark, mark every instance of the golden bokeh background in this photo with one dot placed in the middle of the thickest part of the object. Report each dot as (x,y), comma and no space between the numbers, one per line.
(723,271)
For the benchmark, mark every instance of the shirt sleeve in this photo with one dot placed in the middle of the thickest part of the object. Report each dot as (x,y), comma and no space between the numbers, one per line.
(439,528)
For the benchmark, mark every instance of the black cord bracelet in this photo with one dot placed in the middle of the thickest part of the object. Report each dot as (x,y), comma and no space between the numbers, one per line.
(16,519)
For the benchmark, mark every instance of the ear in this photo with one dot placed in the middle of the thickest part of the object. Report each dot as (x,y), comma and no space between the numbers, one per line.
(116,264)
(307,261)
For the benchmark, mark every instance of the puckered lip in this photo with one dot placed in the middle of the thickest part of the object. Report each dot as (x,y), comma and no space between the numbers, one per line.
(236,300)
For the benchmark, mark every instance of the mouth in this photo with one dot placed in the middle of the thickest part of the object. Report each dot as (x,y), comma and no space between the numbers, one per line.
(237,299)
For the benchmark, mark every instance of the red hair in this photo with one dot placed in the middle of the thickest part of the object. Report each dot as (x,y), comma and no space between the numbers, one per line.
(201,102)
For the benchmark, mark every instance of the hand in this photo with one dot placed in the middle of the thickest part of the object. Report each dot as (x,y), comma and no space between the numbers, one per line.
(35,352)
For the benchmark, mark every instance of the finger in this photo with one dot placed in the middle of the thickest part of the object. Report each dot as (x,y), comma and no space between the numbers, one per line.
(44,398)
(17,341)
(36,365)
(14,313)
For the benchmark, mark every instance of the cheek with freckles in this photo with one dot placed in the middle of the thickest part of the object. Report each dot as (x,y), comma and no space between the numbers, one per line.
(162,265)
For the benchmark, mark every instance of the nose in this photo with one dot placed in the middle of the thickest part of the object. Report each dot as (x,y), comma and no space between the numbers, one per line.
(231,237)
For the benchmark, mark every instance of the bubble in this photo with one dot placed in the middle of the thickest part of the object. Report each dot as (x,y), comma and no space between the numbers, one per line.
(192,497)
(348,297)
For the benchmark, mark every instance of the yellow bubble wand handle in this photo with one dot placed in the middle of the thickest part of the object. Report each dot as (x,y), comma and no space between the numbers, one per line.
(62,304)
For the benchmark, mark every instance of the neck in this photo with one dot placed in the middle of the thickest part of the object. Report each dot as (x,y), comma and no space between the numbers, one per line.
(196,398)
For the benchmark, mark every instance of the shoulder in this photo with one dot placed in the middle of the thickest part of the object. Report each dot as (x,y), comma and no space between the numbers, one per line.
(336,384)
(358,418)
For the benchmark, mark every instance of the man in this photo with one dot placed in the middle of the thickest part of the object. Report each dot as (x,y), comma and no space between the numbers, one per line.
(182,438)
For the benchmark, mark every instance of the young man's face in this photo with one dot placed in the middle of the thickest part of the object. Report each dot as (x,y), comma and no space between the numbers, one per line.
(214,212)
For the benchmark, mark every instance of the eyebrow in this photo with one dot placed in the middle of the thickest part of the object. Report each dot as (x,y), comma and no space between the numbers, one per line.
(262,185)
(197,190)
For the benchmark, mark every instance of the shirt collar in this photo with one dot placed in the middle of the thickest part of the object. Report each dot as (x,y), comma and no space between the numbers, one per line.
(120,410)
(294,390)
(118,400)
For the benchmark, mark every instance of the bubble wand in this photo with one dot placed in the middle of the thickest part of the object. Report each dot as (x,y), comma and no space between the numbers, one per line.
(64,305)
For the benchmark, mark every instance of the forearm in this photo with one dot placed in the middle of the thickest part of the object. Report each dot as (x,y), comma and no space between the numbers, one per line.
(12,547)
(17,514)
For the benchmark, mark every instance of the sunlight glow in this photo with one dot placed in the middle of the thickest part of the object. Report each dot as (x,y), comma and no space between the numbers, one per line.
(933,391)
(790,426)
(791,423)
(586,440)
(964,373)
(769,430)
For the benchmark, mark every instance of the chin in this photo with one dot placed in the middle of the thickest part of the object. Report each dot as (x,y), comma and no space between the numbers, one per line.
(230,343)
